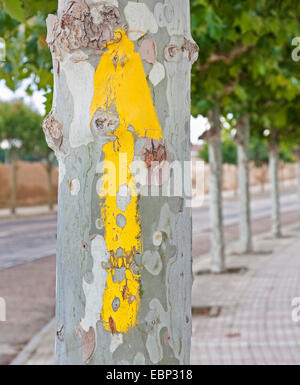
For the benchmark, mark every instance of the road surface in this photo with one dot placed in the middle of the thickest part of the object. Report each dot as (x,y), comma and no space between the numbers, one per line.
(27,240)
(260,208)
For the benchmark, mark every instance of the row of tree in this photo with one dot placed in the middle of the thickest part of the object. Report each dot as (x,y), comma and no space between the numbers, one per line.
(23,138)
(246,71)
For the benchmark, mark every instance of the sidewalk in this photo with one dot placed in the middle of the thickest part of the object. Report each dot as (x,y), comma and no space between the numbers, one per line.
(241,317)
(245,318)
(27,212)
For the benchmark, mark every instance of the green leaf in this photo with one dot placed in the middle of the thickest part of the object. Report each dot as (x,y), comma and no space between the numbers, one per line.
(15,9)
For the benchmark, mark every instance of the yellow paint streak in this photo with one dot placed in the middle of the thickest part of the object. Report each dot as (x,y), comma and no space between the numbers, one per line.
(120,84)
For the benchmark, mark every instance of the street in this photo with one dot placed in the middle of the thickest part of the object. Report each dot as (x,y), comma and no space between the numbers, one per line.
(27,240)
(260,208)
(27,265)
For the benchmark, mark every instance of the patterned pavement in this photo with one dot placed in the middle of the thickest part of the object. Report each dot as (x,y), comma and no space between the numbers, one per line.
(246,318)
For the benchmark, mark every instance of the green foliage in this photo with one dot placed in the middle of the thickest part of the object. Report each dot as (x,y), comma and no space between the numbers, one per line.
(245,62)
(21,127)
(258,152)
(229,152)
(23,26)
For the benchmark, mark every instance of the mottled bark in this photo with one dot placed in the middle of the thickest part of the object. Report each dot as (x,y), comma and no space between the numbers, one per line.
(274,180)
(14,158)
(49,169)
(216,200)
(122,89)
(242,138)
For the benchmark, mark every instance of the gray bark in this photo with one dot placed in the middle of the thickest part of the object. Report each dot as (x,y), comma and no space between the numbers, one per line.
(244,192)
(14,157)
(216,200)
(275,194)
(49,169)
(297,153)
(162,332)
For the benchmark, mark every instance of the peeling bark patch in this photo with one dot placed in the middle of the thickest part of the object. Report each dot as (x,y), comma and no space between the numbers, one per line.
(53,131)
(154,151)
(166,338)
(116,342)
(157,238)
(119,68)
(104,123)
(148,51)
(157,74)
(140,20)
(157,160)
(88,341)
(74,187)
(60,333)
(82,26)
(191,49)
(188,49)
(172,53)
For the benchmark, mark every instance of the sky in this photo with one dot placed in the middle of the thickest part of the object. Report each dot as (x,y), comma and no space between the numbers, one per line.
(198,125)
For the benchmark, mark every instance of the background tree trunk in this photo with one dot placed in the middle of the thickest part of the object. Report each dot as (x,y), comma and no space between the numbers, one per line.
(275,194)
(243,172)
(14,158)
(49,168)
(297,153)
(124,266)
(216,204)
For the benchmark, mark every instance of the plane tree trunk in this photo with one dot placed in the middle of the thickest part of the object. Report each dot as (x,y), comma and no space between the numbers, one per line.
(14,158)
(121,94)
(274,181)
(213,136)
(242,139)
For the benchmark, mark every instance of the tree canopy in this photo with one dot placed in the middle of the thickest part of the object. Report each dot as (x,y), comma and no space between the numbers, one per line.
(246,61)
(23,27)
(20,126)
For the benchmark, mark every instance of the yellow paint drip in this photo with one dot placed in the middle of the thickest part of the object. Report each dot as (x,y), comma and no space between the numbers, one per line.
(120,84)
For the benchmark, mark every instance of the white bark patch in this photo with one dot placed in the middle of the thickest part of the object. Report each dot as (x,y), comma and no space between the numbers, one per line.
(140,20)
(175,16)
(74,187)
(94,292)
(157,238)
(62,172)
(157,74)
(80,80)
(152,262)
(116,341)
(51,21)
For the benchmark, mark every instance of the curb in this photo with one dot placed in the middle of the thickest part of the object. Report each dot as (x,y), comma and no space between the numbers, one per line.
(32,346)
